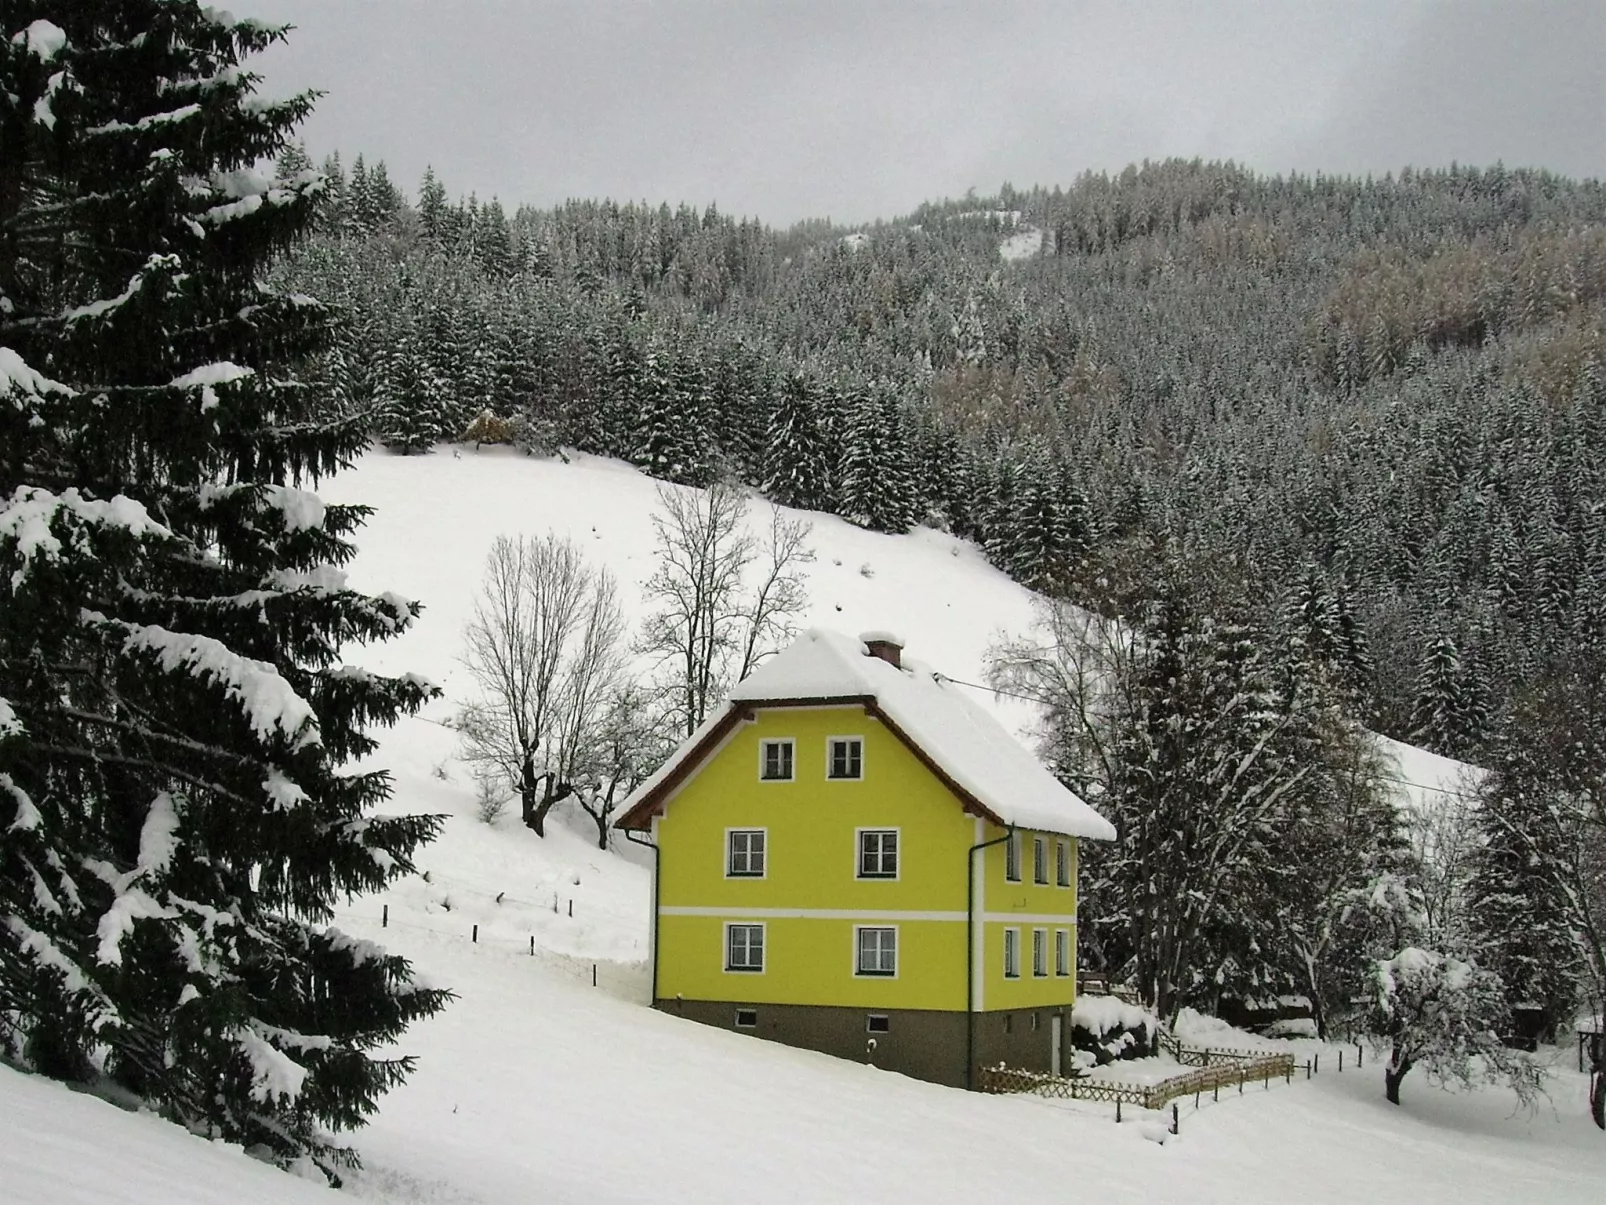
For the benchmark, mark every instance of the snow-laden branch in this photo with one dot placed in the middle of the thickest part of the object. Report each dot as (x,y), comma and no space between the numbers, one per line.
(18,377)
(30,514)
(269,703)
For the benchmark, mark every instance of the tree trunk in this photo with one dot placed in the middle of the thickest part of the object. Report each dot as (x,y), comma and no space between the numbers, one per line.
(1398,1066)
(528,800)
(552,794)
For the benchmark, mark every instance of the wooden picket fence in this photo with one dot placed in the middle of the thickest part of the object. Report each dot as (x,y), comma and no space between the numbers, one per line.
(1214,1070)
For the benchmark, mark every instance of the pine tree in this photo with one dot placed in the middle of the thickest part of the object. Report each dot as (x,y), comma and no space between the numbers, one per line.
(179,811)
(432,206)
(1450,714)
(411,410)
(795,464)
(1517,891)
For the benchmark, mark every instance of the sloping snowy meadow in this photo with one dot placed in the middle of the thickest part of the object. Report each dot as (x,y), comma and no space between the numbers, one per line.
(537,1086)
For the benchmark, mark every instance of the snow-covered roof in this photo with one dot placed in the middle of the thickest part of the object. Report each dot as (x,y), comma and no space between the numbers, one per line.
(964,742)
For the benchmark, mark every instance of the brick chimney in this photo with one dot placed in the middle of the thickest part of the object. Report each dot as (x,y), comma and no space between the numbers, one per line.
(884,645)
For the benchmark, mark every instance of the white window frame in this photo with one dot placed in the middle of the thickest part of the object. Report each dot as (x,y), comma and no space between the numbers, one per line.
(1062,863)
(1062,953)
(763,947)
(1040,861)
(730,852)
(1039,953)
(1012,852)
(1011,953)
(858,854)
(858,971)
(763,758)
(830,741)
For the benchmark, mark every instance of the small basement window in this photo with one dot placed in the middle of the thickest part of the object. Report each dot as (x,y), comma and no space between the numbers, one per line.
(878,1023)
(747,1018)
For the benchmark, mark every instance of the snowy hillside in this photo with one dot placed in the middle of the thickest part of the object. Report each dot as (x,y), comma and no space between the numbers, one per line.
(536,1086)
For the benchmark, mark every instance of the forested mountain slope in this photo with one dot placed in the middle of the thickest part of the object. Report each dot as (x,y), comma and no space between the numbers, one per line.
(1376,402)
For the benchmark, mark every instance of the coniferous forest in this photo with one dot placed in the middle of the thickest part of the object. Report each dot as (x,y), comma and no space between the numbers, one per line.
(1382,400)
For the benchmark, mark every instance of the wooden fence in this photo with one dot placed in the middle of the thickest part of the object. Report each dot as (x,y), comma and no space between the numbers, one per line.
(1214,1070)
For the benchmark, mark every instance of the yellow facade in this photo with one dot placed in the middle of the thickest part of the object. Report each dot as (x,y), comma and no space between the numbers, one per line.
(811,899)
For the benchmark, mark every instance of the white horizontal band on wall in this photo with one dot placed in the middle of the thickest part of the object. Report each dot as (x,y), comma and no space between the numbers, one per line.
(998,918)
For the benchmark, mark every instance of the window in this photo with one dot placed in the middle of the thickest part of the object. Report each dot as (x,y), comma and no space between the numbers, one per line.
(878,951)
(1062,951)
(776,763)
(1039,860)
(1012,858)
(744,948)
(878,1023)
(1040,953)
(1009,1023)
(878,853)
(747,1018)
(1011,953)
(847,757)
(1062,863)
(744,853)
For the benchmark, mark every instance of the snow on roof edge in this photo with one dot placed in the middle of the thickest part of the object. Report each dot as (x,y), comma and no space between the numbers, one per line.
(964,740)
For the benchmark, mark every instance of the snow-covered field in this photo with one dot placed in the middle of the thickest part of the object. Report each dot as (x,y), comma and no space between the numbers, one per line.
(535,1086)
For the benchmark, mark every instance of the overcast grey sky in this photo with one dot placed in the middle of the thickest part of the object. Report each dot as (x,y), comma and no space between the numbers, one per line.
(857,110)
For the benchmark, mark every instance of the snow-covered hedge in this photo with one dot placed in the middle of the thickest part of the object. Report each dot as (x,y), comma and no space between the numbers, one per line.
(1109,1028)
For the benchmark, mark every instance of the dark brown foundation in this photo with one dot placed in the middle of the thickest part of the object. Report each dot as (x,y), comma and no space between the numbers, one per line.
(924,1044)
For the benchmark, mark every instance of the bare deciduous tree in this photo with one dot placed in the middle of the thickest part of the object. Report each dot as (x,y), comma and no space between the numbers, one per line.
(546,647)
(711,627)
(629,744)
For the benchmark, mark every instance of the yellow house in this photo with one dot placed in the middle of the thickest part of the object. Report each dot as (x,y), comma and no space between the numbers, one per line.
(854,857)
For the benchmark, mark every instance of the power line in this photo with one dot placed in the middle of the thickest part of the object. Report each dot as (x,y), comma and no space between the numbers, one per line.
(1404,782)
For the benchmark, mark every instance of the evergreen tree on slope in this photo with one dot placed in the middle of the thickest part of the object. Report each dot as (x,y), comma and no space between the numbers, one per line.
(1517,895)
(177,810)
(796,469)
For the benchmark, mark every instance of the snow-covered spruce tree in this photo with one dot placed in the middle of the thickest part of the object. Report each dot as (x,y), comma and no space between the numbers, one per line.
(178,813)
(796,468)
(1518,903)
(1450,713)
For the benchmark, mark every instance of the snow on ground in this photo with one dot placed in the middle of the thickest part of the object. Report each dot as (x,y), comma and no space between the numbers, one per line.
(534,1085)
(1424,782)
(1023,244)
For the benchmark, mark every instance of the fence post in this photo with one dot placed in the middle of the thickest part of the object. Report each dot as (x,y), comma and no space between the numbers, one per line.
(571,907)
(1175,1126)
(1215,1092)
(1316,1063)
(593,974)
(1341,1062)
(476,937)
(1307,1069)
(384,918)
(1360,1056)
(532,945)
(554,903)
(1117,1110)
